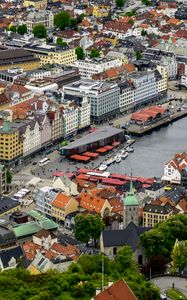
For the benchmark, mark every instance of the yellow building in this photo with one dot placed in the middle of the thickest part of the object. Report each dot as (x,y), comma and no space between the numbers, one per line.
(18,58)
(154,214)
(162,84)
(37,4)
(63,205)
(100,11)
(111,39)
(11,143)
(8,206)
(54,56)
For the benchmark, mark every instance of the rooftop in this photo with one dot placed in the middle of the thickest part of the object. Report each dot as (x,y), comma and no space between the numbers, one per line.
(99,134)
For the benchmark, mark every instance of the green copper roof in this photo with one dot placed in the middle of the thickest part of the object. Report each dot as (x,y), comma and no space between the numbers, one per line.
(26,229)
(131,199)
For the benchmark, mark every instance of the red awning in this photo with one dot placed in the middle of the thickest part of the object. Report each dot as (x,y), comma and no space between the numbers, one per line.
(115,144)
(108,147)
(91,154)
(80,157)
(101,150)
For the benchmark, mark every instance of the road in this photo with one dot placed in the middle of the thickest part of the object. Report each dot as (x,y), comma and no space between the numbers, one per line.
(166,282)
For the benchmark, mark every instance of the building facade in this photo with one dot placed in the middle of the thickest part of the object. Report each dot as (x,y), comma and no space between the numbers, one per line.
(37,4)
(103,98)
(45,18)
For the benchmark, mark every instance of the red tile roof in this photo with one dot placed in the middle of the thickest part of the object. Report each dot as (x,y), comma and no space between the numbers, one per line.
(117,291)
(61,201)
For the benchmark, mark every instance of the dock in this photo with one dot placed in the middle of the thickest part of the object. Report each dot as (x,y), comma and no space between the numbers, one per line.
(137,130)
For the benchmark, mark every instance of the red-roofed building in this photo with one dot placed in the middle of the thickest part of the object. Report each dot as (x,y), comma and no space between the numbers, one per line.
(117,291)
(63,205)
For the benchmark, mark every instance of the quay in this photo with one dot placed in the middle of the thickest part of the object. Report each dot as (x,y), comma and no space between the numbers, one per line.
(138,130)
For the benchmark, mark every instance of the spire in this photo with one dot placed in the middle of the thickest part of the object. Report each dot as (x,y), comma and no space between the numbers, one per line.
(131,190)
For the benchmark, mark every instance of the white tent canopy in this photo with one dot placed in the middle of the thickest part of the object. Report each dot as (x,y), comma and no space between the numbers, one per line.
(33,182)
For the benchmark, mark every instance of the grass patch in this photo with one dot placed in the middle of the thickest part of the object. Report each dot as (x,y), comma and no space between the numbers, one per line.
(174,294)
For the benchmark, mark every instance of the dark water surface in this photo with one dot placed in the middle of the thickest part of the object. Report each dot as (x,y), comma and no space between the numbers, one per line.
(153,150)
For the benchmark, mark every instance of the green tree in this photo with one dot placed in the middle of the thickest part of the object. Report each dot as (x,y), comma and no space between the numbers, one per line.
(80,53)
(179,255)
(88,227)
(81,229)
(8,176)
(131,13)
(96,226)
(146,2)
(138,54)
(62,20)
(22,29)
(124,260)
(131,21)
(60,42)
(39,31)
(143,32)
(120,3)
(94,53)
(13,28)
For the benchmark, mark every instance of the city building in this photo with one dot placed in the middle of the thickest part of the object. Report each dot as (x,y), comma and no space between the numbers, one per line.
(43,198)
(53,55)
(171,65)
(162,82)
(10,75)
(37,4)
(116,291)
(18,58)
(3,179)
(173,168)
(56,121)
(8,206)
(131,208)
(145,87)
(62,205)
(103,97)
(154,191)
(10,258)
(101,137)
(11,146)
(154,214)
(45,129)
(7,237)
(126,100)
(89,67)
(44,17)
(112,240)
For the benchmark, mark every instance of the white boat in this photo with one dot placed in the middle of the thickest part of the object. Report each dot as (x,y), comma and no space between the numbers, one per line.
(103,167)
(124,155)
(110,161)
(118,158)
(130,149)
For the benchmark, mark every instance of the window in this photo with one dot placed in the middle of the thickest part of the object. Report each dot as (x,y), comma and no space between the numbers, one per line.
(114,250)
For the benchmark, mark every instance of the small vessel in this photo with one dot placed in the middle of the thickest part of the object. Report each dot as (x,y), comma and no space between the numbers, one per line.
(124,155)
(103,167)
(130,149)
(118,158)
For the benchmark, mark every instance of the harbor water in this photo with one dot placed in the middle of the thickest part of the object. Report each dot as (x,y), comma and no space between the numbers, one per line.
(152,151)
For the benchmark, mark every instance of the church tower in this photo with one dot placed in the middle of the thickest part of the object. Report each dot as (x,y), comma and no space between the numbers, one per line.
(131,206)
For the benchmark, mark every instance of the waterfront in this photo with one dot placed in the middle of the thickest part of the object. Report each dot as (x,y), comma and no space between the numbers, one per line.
(153,150)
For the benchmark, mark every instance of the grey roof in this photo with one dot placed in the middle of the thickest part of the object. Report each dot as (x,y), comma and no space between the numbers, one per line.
(7,254)
(6,204)
(101,133)
(159,209)
(128,236)
(155,186)
(6,236)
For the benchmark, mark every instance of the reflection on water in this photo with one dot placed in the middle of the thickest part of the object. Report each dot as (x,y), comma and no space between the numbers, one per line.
(153,150)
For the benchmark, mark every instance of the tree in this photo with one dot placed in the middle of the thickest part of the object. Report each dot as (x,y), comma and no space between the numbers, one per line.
(96,226)
(8,176)
(124,260)
(81,229)
(88,227)
(60,42)
(179,255)
(39,31)
(131,21)
(120,3)
(62,20)
(131,13)
(13,28)
(94,53)
(146,2)
(80,53)
(143,32)
(22,29)
(138,54)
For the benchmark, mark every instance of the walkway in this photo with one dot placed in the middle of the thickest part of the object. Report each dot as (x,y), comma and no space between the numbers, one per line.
(166,282)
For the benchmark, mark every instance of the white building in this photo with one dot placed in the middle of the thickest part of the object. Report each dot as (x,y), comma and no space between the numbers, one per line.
(70,119)
(31,136)
(184,80)
(103,98)
(173,169)
(43,198)
(145,87)
(126,100)
(43,17)
(170,63)
(89,67)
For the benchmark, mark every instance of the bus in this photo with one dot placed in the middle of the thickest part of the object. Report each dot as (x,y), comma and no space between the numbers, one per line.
(44,161)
